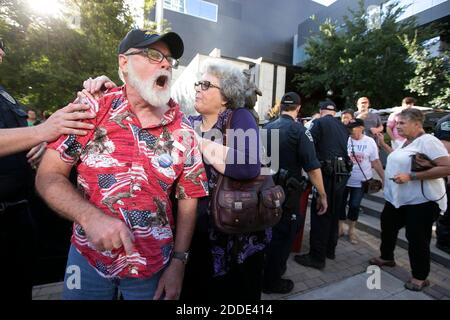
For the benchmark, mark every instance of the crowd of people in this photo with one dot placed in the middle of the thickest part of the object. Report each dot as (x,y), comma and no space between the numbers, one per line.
(142,203)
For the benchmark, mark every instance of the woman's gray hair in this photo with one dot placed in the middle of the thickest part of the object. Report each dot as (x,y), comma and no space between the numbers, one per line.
(412,114)
(231,82)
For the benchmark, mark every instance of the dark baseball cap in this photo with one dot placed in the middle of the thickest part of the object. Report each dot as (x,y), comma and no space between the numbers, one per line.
(327,105)
(290,99)
(138,38)
(355,123)
(442,129)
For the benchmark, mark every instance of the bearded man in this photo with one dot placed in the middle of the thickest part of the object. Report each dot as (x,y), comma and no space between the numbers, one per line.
(127,167)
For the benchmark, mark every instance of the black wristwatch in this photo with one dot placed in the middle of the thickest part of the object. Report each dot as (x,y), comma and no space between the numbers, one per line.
(183,256)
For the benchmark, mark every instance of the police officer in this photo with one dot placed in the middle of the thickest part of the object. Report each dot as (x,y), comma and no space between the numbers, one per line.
(296,151)
(17,184)
(330,139)
(442,132)
(16,231)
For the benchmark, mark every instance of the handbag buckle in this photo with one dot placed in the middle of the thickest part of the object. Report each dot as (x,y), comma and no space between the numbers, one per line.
(277,203)
(238,205)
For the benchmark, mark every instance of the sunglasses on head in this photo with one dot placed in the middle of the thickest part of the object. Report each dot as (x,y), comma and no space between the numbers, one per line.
(205,85)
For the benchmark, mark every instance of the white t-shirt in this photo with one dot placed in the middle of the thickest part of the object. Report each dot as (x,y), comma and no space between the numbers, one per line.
(399,161)
(366,151)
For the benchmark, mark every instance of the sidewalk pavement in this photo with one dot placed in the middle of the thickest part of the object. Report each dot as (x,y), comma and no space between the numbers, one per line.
(345,277)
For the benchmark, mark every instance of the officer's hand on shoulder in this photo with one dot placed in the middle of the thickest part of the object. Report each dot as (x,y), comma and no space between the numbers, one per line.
(68,120)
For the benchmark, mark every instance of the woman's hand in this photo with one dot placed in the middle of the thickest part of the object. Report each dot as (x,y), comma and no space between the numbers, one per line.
(401,178)
(98,85)
(34,156)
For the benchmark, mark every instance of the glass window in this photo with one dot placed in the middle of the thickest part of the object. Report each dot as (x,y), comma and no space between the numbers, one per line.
(416,7)
(197,8)
(175,5)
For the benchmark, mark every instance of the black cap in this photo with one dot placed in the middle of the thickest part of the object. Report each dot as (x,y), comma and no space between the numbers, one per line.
(355,123)
(442,130)
(290,99)
(2,44)
(138,38)
(327,105)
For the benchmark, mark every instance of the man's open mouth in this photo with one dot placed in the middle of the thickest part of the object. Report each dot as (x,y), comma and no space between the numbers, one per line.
(161,81)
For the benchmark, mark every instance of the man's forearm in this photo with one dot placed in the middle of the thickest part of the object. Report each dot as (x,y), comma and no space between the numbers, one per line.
(62,197)
(18,140)
(315,176)
(186,217)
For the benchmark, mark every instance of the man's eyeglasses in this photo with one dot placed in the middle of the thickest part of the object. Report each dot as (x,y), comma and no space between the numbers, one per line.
(205,85)
(155,56)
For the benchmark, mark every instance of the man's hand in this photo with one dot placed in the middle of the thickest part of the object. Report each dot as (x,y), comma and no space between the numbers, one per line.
(107,233)
(66,121)
(96,85)
(322,204)
(34,156)
(171,281)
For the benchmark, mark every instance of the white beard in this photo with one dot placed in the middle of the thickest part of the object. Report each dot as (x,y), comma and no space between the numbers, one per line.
(147,89)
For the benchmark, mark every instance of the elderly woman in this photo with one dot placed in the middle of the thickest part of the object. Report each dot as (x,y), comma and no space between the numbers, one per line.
(413,199)
(222,266)
(363,151)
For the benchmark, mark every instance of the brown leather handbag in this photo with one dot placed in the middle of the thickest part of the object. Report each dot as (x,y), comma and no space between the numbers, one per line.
(242,206)
(421,162)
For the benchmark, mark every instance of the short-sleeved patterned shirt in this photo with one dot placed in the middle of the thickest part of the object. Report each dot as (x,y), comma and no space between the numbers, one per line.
(128,172)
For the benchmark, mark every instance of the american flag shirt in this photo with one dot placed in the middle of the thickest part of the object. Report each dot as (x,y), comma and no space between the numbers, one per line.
(128,172)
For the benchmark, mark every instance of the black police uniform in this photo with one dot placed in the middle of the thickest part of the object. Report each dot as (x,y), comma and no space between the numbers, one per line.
(16,232)
(330,140)
(442,132)
(296,151)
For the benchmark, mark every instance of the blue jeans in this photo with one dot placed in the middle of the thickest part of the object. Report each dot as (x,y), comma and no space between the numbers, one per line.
(83,282)
(356,195)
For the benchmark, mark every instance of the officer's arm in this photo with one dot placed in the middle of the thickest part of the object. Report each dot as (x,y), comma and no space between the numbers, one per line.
(17,140)
(316,178)
(52,183)
(67,120)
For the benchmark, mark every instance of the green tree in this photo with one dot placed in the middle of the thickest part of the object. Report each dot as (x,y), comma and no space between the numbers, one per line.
(431,75)
(48,58)
(361,57)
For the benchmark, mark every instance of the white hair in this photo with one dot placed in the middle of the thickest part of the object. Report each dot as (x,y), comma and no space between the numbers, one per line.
(231,82)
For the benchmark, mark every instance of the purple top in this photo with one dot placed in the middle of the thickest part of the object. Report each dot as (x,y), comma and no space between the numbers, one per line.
(226,248)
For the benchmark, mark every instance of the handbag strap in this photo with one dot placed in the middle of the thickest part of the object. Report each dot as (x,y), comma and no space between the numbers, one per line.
(356,159)
(227,126)
(423,193)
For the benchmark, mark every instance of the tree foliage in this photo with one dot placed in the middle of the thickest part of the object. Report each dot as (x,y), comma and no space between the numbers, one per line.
(431,75)
(48,58)
(358,59)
